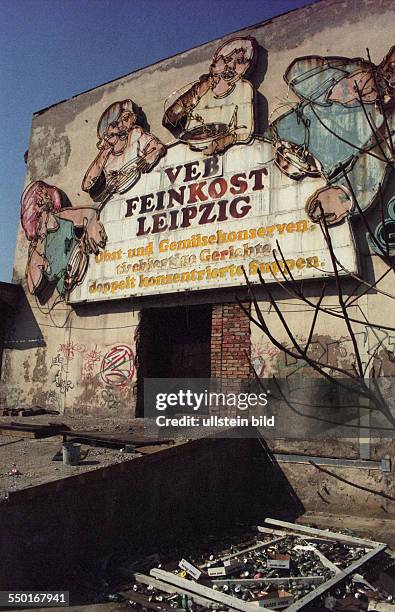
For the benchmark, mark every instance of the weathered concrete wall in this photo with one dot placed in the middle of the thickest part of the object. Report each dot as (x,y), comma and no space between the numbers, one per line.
(55,354)
(160,499)
(173,496)
(71,364)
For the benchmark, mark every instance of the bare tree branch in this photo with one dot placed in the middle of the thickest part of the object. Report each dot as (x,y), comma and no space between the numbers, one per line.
(312,327)
(361,378)
(372,126)
(363,217)
(340,295)
(380,101)
(292,287)
(347,142)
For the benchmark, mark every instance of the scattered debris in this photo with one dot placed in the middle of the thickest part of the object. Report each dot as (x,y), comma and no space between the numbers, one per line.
(190,569)
(117,439)
(276,600)
(313,570)
(14,471)
(36,430)
(230,566)
(26,411)
(278,561)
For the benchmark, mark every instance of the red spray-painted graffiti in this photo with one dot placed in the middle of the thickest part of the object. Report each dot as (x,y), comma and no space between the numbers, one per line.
(117,366)
(69,349)
(91,358)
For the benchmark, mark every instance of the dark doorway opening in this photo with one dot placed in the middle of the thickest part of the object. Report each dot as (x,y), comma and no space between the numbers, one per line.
(173,343)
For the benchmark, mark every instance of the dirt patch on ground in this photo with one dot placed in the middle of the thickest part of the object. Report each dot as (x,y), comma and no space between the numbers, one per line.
(33,458)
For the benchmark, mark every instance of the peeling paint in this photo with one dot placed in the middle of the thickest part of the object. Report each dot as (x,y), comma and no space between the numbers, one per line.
(312,20)
(40,371)
(26,367)
(6,366)
(51,152)
(64,143)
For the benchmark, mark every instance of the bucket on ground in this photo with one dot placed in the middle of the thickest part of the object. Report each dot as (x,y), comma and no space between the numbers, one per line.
(71,453)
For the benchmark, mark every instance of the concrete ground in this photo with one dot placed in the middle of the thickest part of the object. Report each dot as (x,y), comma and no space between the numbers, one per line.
(371,528)
(33,457)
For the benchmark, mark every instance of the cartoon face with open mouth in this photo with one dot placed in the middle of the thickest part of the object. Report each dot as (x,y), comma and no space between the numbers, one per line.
(116,132)
(230,67)
(216,111)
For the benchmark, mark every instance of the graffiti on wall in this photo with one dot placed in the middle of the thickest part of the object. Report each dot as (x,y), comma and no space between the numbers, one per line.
(69,349)
(111,367)
(62,382)
(264,357)
(91,359)
(118,365)
(376,347)
(109,399)
(216,111)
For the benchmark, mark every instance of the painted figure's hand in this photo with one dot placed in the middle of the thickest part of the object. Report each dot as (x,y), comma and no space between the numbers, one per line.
(184,105)
(203,85)
(220,144)
(331,203)
(104,145)
(358,88)
(153,151)
(95,234)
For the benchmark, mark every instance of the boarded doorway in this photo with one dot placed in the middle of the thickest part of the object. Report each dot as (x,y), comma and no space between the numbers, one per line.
(173,343)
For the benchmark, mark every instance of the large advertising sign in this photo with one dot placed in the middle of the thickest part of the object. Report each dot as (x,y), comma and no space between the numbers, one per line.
(195,222)
(224,197)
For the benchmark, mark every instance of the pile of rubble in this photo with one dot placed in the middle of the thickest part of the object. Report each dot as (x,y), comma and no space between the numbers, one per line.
(24,411)
(281,567)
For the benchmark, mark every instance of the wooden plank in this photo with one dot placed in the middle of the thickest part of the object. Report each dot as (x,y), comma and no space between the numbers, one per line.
(143,600)
(29,430)
(222,598)
(252,581)
(11,442)
(251,548)
(17,433)
(285,533)
(329,535)
(167,588)
(299,605)
(39,426)
(115,438)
